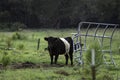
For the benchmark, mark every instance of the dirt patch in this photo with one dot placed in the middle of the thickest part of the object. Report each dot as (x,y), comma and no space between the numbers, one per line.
(31,65)
(53,65)
(1,67)
(23,65)
(62,72)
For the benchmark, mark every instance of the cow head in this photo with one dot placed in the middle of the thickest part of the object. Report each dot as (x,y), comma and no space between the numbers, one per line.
(51,41)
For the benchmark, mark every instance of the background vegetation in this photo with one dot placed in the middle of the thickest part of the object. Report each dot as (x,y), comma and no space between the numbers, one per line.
(56,13)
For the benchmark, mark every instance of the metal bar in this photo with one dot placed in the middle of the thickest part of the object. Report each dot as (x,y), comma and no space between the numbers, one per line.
(98,23)
(80,24)
(74,42)
(86,35)
(79,32)
(99,42)
(104,33)
(114,30)
(112,36)
(97,36)
(96,31)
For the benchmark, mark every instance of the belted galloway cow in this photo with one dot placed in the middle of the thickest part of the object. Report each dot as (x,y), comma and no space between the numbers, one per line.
(58,46)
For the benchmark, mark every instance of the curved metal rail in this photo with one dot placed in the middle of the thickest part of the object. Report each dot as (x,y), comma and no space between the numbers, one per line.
(77,42)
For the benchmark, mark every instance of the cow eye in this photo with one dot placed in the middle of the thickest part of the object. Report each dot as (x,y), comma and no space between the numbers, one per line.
(46,38)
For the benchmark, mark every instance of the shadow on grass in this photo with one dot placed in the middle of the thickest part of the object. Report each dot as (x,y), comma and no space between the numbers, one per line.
(111,68)
(32,65)
(62,72)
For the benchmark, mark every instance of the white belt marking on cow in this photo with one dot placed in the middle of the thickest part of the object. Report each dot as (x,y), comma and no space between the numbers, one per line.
(67,45)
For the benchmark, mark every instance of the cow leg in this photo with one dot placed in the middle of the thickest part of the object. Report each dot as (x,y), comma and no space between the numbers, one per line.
(56,58)
(71,59)
(66,57)
(51,57)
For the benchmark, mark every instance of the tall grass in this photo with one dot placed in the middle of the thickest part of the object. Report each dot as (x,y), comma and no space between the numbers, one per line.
(5,60)
(98,55)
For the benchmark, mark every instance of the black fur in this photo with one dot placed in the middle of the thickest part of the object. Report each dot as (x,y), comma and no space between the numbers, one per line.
(56,47)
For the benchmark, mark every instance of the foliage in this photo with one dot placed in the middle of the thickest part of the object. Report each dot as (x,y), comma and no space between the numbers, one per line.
(5,26)
(104,75)
(98,55)
(17,26)
(57,13)
(5,59)
(18,36)
(21,46)
(88,69)
(9,43)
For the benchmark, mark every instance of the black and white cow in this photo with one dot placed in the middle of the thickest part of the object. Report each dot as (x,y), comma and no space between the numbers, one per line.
(58,46)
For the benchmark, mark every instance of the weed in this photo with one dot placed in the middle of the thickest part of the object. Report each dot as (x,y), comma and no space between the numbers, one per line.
(5,59)
(98,55)
(105,75)
(93,69)
(62,72)
(9,43)
(21,46)
(18,36)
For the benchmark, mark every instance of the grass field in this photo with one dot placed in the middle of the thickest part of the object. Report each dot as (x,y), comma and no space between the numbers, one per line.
(20,59)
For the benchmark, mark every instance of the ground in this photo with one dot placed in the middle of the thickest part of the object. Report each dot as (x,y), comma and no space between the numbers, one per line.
(27,63)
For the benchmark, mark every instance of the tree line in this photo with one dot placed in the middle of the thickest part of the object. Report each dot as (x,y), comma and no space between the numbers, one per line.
(57,13)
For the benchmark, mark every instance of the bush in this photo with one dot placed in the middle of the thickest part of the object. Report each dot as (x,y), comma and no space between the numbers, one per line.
(9,43)
(20,46)
(5,59)
(17,26)
(89,69)
(104,75)
(18,36)
(5,26)
(98,55)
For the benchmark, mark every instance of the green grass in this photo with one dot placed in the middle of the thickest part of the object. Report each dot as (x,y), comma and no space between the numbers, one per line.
(29,53)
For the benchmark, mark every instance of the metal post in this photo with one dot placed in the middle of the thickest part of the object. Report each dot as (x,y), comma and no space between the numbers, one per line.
(93,73)
(38,44)
(93,64)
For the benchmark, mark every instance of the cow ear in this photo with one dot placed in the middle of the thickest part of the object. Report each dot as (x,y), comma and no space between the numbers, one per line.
(46,38)
(55,39)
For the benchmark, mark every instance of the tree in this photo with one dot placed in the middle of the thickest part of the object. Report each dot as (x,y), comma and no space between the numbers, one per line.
(58,13)
(109,10)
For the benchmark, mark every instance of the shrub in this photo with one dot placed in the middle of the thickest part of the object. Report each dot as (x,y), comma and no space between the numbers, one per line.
(104,75)
(5,59)
(5,26)
(98,55)
(18,36)
(21,46)
(9,43)
(88,69)
(17,26)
